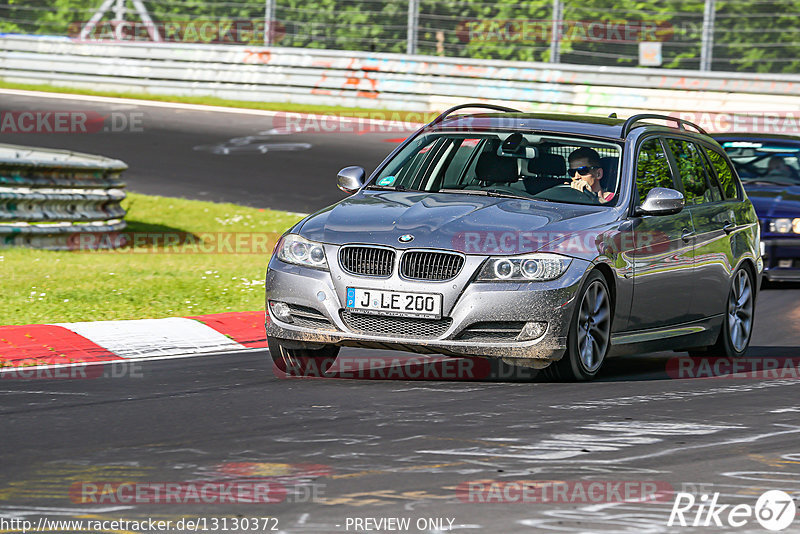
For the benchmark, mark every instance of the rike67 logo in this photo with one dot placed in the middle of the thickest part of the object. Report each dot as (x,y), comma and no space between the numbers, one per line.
(774,510)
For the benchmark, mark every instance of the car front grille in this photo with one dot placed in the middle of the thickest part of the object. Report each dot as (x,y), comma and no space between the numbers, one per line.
(429,265)
(395,326)
(306,317)
(367,261)
(491,331)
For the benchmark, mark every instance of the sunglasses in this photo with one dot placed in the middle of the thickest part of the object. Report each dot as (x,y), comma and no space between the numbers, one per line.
(586,169)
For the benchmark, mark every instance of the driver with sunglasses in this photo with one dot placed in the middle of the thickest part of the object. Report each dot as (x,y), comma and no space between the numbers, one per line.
(586,172)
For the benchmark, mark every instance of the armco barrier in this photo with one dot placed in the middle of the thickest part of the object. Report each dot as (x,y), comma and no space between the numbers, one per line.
(49,196)
(386,81)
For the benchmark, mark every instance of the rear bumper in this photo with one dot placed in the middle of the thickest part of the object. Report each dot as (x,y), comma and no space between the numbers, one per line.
(781,259)
(782,275)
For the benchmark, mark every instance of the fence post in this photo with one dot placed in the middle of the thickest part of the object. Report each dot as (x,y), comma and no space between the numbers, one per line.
(119,16)
(413,22)
(269,18)
(555,37)
(707,46)
(119,10)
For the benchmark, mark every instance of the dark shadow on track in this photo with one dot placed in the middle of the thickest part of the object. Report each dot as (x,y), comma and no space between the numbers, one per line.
(766,285)
(759,363)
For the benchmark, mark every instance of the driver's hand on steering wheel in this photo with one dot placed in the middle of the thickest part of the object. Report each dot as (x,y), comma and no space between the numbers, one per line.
(580,185)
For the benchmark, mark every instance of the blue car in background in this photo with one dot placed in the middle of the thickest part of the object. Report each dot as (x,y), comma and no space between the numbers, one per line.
(769,166)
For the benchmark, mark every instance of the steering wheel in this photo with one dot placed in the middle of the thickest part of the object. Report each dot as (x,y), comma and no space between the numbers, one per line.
(566,193)
(752,169)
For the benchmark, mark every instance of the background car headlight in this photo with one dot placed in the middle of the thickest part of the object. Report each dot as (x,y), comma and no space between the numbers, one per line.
(785,225)
(781,226)
(536,267)
(301,251)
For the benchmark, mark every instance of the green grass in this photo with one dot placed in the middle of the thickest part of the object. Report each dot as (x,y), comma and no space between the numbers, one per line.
(146,281)
(214,101)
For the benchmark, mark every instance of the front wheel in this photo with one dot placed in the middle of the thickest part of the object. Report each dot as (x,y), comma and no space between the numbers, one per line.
(589,333)
(301,362)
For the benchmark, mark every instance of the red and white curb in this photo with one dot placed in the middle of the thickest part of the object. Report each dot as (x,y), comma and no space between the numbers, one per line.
(108,341)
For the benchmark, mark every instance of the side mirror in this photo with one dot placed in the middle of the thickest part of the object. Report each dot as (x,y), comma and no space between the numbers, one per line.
(351,179)
(661,201)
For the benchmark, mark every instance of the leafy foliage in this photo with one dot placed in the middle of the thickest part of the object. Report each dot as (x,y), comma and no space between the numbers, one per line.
(750,35)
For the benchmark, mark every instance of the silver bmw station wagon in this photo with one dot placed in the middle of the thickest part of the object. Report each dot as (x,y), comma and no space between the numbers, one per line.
(548,241)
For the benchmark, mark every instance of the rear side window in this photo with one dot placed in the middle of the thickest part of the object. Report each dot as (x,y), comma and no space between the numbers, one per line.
(652,168)
(724,174)
(696,186)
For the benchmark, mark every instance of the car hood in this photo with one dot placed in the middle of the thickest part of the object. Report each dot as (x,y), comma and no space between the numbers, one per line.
(771,201)
(467,223)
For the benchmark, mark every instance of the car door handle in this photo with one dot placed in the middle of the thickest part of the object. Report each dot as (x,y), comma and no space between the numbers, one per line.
(728,227)
(687,236)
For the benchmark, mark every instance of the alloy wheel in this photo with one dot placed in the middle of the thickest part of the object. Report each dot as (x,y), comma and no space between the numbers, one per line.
(594,326)
(740,311)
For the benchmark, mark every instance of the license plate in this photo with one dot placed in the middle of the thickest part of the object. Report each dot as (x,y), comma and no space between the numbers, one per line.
(785,264)
(394,303)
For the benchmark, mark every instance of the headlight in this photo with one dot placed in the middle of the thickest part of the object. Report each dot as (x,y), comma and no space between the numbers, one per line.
(784,226)
(538,267)
(301,251)
(781,226)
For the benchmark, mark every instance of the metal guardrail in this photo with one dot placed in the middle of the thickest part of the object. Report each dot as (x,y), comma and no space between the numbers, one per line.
(50,198)
(386,81)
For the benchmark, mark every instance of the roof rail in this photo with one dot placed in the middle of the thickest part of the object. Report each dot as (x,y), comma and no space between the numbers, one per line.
(448,112)
(629,123)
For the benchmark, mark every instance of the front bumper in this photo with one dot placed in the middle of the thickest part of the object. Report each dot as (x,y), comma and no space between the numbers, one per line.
(781,258)
(316,298)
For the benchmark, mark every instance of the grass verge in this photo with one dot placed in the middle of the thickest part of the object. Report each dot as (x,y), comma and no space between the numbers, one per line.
(411,116)
(169,273)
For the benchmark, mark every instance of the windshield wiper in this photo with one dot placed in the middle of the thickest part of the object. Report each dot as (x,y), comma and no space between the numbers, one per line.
(484,193)
(388,187)
(481,192)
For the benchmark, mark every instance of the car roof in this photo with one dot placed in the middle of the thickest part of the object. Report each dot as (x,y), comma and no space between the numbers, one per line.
(591,125)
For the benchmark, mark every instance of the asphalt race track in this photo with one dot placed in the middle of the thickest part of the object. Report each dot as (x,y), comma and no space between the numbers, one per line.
(395,448)
(178,152)
(350,449)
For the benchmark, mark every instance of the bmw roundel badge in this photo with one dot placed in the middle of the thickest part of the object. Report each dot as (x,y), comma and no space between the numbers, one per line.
(406,238)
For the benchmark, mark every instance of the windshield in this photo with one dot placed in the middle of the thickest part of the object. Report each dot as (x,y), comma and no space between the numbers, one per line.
(514,164)
(772,163)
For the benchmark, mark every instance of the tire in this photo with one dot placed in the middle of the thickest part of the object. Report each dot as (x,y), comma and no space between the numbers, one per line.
(737,326)
(301,362)
(589,333)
